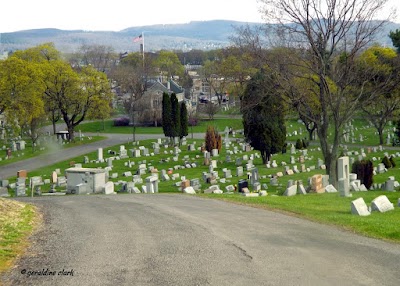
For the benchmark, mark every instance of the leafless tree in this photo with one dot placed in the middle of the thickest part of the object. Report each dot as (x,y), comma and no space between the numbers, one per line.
(329,35)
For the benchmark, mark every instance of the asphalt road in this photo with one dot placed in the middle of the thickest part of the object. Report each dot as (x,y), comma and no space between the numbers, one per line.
(59,155)
(166,239)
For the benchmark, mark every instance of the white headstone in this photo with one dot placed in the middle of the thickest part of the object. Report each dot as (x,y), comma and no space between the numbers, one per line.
(189,190)
(330,189)
(381,204)
(109,188)
(359,207)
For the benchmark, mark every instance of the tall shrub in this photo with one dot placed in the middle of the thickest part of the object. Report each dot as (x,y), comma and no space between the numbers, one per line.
(365,172)
(211,138)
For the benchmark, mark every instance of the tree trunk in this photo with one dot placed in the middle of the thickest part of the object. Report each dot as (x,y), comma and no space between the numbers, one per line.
(54,128)
(264,157)
(71,133)
(380,132)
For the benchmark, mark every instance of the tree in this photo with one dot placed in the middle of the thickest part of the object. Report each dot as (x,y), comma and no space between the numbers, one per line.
(211,109)
(167,116)
(169,64)
(21,90)
(330,35)
(211,138)
(76,94)
(43,55)
(101,57)
(131,78)
(382,65)
(395,36)
(184,121)
(263,115)
(175,116)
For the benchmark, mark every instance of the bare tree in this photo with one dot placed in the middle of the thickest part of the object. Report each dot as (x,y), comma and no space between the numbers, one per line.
(102,58)
(131,77)
(329,35)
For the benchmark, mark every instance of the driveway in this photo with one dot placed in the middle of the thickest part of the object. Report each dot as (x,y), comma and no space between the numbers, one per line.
(172,239)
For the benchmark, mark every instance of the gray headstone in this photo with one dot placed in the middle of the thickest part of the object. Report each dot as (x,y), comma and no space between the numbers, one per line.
(291,191)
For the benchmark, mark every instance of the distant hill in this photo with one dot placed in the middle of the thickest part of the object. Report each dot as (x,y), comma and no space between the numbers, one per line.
(204,35)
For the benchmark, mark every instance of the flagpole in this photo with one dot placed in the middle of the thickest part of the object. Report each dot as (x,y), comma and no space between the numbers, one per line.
(143,47)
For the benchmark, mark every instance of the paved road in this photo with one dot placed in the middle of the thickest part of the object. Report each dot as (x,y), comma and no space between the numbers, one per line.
(166,239)
(54,156)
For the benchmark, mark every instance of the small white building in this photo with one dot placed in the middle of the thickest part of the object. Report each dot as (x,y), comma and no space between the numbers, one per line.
(85,180)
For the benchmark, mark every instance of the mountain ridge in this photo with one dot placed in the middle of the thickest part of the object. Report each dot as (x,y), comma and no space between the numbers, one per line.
(203,35)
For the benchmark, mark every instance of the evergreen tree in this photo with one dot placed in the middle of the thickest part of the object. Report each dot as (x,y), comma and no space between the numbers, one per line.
(175,117)
(263,115)
(166,115)
(184,121)
(395,36)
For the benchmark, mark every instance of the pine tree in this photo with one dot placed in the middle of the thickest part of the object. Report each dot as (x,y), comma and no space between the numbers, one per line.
(263,115)
(184,121)
(176,120)
(166,115)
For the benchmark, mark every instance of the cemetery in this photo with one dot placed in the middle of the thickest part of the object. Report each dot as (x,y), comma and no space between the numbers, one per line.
(293,180)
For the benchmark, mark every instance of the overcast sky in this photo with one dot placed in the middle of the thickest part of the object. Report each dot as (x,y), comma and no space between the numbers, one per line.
(116,15)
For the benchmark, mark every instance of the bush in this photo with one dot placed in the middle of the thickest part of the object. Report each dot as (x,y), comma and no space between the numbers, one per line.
(213,140)
(365,172)
(391,159)
(386,162)
(193,121)
(299,144)
(122,121)
(305,143)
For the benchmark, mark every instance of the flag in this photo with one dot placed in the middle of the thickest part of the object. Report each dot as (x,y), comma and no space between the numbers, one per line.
(137,39)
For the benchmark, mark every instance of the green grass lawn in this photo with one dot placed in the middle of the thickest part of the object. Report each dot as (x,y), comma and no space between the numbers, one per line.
(108,127)
(17,221)
(331,209)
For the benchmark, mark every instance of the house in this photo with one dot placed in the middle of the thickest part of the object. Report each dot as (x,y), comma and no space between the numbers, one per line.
(148,109)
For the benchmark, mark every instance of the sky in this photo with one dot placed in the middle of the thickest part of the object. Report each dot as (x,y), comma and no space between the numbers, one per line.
(116,15)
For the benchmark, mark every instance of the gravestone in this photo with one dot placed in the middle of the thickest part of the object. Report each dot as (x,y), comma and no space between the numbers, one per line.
(189,190)
(343,176)
(227,174)
(109,188)
(239,171)
(4,183)
(330,189)
(242,184)
(100,155)
(290,191)
(389,185)
(230,188)
(359,207)
(254,177)
(4,192)
(22,174)
(20,187)
(316,184)
(152,184)
(381,204)
(195,184)
(123,153)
